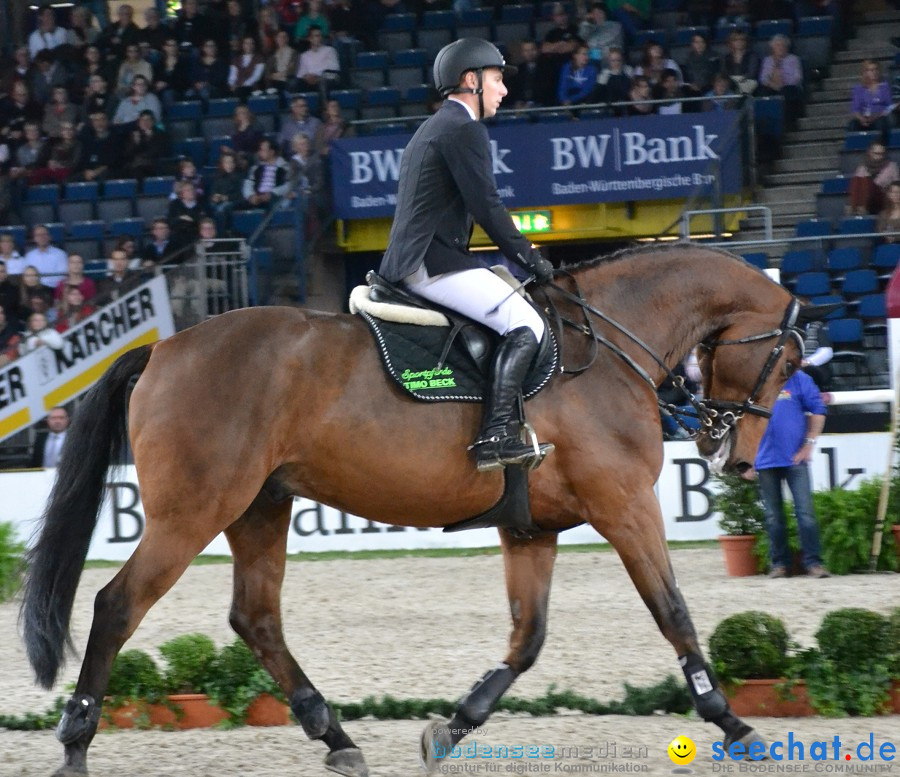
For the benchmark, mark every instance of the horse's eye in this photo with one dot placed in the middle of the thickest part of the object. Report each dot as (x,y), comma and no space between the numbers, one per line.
(789,368)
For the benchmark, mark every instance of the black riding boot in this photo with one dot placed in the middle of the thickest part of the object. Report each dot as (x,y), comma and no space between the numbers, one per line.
(498,445)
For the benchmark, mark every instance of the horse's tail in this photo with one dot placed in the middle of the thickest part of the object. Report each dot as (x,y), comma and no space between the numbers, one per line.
(97,437)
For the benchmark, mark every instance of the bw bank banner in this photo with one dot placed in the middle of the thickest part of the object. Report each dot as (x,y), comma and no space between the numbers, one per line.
(601,160)
(685,491)
(45,378)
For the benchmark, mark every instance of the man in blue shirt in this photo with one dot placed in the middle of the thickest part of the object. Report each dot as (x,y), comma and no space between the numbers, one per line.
(798,418)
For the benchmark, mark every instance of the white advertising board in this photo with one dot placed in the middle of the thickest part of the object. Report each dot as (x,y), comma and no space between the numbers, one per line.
(684,490)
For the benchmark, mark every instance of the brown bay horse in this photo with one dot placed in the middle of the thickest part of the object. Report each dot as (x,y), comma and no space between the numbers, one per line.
(277,401)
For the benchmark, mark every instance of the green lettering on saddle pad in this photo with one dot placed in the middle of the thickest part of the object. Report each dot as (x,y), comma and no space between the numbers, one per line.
(423,380)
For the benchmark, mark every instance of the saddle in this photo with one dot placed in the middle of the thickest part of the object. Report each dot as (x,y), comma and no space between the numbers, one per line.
(435,354)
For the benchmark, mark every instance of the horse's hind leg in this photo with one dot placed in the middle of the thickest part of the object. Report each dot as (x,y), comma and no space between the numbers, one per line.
(637,535)
(159,560)
(529,567)
(258,543)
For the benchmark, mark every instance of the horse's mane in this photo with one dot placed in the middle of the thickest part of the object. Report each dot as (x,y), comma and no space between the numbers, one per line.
(655,249)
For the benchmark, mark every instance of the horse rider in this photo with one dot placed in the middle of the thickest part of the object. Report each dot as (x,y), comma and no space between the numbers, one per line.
(446,183)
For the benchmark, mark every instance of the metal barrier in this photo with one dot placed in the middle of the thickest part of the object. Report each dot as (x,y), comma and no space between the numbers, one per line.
(686,218)
(214,282)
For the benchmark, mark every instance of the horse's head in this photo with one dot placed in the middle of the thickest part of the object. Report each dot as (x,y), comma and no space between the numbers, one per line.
(744,367)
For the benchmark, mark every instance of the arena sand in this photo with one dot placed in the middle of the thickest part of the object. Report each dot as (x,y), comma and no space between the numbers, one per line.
(419,627)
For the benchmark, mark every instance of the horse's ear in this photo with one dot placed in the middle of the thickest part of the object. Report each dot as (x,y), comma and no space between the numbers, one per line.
(816,312)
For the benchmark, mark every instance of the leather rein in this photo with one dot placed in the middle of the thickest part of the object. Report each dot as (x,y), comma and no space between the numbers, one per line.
(716,416)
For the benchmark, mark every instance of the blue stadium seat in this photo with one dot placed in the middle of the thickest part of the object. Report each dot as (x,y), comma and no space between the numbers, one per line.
(518,12)
(842,260)
(221,107)
(133,227)
(184,110)
(120,187)
(856,225)
(644,37)
(282,218)
(860,141)
(894,139)
(87,230)
(872,307)
(682,35)
(158,184)
(418,93)
(797,262)
(399,21)
(815,27)
(96,269)
(768,118)
(19,235)
(57,232)
(43,193)
(810,284)
(348,99)
(380,103)
(245,222)
(766,28)
(724,30)
(859,282)
(813,228)
(85,190)
(831,299)
(262,104)
(191,148)
(885,259)
(837,185)
(757,259)
(845,332)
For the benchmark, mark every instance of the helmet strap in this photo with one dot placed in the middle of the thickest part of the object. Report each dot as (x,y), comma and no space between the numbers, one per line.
(479,90)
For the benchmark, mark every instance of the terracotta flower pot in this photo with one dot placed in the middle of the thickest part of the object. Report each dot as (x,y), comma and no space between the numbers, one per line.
(895,696)
(266,710)
(895,530)
(739,558)
(761,698)
(197,711)
(134,714)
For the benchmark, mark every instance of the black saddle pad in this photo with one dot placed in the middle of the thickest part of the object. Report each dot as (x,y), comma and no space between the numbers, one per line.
(411,354)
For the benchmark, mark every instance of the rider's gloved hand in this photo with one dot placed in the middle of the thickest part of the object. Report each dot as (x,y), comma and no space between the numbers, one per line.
(538,266)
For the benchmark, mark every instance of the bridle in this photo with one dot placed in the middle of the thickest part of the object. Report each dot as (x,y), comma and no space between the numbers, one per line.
(716,416)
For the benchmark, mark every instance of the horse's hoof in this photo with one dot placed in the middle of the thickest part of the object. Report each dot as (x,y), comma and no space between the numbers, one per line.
(746,736)
(435,744)
(68,771)
(349,762)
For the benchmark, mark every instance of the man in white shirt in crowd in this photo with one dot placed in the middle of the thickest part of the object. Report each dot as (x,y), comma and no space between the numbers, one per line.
(51,262)
(48,447)
(316,60)
(47,35)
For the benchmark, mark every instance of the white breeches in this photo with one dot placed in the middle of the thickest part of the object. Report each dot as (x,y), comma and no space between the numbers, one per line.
(474,293)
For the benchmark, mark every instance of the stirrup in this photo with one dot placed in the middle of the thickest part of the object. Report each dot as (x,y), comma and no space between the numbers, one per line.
(496,452)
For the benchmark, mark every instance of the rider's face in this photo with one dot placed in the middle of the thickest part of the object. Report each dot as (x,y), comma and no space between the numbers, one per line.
(494,90)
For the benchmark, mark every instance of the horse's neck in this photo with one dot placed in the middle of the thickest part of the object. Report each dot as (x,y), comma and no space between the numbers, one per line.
(674,302)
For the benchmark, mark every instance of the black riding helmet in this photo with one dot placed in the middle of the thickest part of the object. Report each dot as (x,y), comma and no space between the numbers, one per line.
(463,55)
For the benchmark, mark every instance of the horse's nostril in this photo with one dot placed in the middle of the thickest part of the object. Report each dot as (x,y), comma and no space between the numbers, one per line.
(742,467)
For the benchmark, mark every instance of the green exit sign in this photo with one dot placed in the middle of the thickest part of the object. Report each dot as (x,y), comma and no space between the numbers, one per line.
(532,220)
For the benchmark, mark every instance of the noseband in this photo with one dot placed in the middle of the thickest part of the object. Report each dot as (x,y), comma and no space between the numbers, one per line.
(716,416)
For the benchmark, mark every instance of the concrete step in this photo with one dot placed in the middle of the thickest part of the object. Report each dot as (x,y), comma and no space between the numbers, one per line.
(872,18)
(808,150)
(804,177)
(831,108)
(874,37)
(876,50)
(823,165)
(843,84)
(818,133)
(802,203)
(840,95)
(834,125)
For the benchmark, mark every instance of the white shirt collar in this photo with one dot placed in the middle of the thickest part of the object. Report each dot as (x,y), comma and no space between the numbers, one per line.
(464,105)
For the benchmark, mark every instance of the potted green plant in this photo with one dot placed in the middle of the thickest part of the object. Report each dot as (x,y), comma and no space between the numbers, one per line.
(190,672)
(742,521)
(849,673)
(894,665)
(135,693)
(12,563)
(245,690)
(749,653)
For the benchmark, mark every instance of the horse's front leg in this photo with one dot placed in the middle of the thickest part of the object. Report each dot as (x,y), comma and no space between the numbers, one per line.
(529,567)
(637,534)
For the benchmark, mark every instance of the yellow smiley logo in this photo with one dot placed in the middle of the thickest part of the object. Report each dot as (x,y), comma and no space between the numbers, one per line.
(682,750)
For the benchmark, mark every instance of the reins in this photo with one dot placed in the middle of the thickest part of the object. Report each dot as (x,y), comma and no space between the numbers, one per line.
(716,416)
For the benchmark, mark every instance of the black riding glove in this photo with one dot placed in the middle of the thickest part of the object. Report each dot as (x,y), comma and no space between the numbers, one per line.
(539,267)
